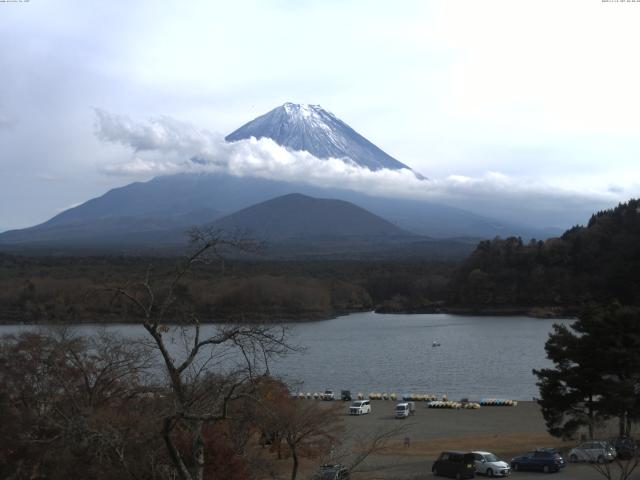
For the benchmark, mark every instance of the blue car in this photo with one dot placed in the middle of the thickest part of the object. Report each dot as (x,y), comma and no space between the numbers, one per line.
(542,460)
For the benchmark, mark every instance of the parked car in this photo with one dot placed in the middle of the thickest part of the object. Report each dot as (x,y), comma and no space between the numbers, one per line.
(328,395)
(594,451)
(360,407)
(625,447)
(333,472)
(490,465)
(455,465)
(345,395)
(542,460)
(403,410)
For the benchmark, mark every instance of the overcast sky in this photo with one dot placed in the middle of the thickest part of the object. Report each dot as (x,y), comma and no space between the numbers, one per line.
(534,104)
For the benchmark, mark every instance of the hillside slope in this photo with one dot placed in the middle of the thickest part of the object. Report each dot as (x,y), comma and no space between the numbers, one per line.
(297,216)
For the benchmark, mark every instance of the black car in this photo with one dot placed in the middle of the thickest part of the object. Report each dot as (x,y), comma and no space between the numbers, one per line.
(455,465)
(542,460)
(625,447)
(334,472)
(345,395)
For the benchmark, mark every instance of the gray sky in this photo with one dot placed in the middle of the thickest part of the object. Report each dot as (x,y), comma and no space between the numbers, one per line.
(529,109)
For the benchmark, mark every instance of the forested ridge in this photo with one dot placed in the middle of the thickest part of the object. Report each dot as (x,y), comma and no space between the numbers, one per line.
(66,289)
(593,263)
(598,262)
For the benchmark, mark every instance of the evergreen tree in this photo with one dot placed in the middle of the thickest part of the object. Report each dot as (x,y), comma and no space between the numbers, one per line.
(621,354)
(596,374)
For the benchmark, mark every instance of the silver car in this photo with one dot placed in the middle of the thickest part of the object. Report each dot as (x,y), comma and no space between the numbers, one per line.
(490,465)
(595,451)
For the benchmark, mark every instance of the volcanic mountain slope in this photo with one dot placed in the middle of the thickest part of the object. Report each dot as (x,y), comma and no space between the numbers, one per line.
(297,216)
(317,131)
(160,210)
(157,212)
(297,226)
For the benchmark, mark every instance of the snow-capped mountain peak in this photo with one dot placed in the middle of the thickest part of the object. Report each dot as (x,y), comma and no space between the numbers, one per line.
(303,109)
(311,128)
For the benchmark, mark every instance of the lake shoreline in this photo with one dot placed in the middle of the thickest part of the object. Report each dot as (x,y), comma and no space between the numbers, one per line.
(393,353)
(494,311)
(467,311)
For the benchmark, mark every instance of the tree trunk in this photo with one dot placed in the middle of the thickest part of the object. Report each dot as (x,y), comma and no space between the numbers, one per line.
(181,468)
(198,450)
(590,417)
(622,424)
(278,439)
(294,455)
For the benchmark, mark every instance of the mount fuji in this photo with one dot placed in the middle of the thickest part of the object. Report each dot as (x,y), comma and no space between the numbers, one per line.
(156,213)
(317,131)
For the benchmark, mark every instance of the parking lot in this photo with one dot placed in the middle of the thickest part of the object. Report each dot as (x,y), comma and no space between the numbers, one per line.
(505,431)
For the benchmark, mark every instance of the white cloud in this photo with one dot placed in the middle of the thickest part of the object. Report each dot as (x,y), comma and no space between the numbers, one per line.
(542,90)
(164,146)
(163,133)
(73,205)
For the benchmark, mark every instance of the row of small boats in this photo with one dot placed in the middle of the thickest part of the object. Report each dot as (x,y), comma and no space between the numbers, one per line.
(498,402)
(433,401)
(454,405)
(407,397)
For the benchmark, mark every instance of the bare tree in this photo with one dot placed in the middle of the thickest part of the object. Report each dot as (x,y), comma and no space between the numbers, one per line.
(619,469)
(302,428)
(365,446)
(215,368)
(308,429)
(73,405)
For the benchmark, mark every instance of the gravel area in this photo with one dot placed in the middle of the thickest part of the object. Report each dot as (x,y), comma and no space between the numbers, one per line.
(505,431)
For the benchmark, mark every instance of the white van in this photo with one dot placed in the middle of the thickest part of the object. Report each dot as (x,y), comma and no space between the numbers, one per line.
(328,395)
(360,407)
(402,410)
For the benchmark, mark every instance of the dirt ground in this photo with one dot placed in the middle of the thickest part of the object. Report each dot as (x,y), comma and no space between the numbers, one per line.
(505,431)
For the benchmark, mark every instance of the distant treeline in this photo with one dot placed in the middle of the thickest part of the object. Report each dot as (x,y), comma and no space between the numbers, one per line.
(596,263)
(77,289)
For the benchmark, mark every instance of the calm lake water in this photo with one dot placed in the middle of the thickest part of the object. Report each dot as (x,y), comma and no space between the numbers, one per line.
(367,352)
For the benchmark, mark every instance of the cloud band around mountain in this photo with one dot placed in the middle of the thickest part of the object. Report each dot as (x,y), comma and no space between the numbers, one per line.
(165,145)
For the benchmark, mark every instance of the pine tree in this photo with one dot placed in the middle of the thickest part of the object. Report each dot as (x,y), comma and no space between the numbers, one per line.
(596,374)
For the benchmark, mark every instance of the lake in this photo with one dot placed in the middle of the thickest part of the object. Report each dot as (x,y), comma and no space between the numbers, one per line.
(368,352)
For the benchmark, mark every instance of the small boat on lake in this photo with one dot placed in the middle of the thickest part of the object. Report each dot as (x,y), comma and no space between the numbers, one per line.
(435,343)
